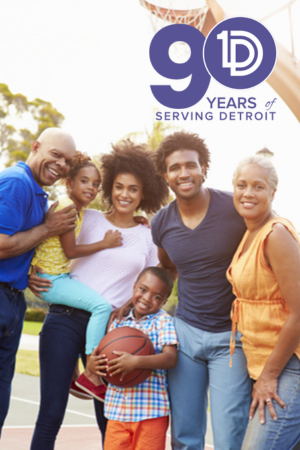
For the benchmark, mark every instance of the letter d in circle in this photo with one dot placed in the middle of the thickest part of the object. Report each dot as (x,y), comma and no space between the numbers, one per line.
(234,65)
(239,53)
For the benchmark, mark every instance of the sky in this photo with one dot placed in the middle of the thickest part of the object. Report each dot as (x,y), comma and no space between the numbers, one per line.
(91,61)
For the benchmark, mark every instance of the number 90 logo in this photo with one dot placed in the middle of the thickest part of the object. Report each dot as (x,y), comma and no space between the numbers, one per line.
(239,53)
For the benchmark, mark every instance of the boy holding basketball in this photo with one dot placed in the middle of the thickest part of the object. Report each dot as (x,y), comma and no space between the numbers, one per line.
(139,416)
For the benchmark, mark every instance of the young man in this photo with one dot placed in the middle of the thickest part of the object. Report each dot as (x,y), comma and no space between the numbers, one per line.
(24,224)
(197,235)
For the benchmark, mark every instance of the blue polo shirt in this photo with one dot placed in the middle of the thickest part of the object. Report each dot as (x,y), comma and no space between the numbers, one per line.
(23,204)
(202,257)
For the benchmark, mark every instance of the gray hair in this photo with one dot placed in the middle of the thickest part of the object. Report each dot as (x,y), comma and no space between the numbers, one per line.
(263,162)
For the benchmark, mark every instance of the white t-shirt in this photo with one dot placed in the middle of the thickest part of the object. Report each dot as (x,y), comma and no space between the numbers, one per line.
(112,272)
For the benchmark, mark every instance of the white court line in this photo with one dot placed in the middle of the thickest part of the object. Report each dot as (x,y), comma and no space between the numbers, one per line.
(63,426)
(67,410)
(24,400)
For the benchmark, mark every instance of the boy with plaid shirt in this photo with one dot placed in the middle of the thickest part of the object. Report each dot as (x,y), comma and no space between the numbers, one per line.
(139,416)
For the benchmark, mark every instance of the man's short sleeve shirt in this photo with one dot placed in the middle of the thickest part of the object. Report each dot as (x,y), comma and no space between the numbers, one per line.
(23,204)
(202,257)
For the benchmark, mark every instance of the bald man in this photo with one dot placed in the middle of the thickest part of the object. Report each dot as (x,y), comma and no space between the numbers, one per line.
(24,224)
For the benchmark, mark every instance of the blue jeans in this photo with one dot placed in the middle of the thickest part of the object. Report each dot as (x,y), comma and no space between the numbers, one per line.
(67,291)
(203,361)
(12,312)
(284,432)
(62,339)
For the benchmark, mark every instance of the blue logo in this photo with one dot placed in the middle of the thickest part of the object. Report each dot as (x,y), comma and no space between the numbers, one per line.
(240,53)
(162,63)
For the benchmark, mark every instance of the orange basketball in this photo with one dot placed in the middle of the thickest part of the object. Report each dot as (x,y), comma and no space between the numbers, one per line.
(131,340)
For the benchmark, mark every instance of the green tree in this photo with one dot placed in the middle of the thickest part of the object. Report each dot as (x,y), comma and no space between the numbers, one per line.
(15,112)
(157,134)
(153,137)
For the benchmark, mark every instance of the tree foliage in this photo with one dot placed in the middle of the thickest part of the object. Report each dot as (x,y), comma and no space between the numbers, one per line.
(157,134)
(153,137)
(21,122)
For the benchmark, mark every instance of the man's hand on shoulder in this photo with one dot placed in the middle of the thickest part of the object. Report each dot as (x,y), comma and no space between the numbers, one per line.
(142,220)
(60,222)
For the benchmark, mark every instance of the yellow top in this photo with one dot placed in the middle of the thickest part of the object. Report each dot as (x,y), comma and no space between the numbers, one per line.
(259,310)
(49,255)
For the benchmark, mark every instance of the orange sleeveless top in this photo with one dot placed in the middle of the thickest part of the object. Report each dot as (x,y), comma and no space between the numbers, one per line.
(259,310)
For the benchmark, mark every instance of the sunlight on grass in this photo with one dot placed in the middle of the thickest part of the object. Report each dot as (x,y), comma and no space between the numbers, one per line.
(28,362)
(32,327)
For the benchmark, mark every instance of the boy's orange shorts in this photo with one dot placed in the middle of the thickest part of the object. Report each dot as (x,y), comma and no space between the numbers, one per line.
(145,435)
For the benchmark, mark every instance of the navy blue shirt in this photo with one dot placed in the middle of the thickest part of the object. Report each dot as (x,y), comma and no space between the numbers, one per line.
(202,257)
(23,204)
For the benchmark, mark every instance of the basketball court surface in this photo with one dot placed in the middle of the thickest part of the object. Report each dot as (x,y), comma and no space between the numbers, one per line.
(79,430)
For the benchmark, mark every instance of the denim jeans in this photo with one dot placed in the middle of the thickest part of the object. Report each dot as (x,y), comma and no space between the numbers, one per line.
(203,361)
(12,312)
(283,433)
(62,339)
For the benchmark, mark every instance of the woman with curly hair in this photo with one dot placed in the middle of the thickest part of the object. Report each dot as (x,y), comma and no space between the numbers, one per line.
(129,183)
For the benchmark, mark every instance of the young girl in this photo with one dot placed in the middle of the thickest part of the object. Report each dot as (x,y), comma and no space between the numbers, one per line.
(53,257)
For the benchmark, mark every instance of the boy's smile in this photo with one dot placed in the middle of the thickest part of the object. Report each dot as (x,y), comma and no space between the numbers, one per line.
(149,295)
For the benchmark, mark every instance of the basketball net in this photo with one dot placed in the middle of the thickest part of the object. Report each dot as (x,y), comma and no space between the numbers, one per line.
(163,13)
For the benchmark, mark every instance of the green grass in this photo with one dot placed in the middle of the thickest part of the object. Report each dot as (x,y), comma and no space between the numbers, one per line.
(32,327)
(28,362)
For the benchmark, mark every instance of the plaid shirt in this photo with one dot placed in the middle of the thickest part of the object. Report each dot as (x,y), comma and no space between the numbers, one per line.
(149,399)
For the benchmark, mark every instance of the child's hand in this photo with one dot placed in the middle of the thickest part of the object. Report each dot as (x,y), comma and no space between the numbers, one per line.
(123,365)
(112,239)
(97,364)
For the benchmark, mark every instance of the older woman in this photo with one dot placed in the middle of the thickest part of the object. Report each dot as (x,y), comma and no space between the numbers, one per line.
(265,275)
(129,183)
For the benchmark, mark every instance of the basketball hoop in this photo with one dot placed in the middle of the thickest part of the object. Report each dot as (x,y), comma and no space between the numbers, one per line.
(166,12)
